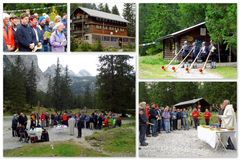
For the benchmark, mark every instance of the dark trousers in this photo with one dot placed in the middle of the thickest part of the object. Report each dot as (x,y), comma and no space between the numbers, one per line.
(174,124)
(79,132)
(142,129)
(196,122)
(148,129)
(154,127)
(159,125)
(14,132)
(207,121)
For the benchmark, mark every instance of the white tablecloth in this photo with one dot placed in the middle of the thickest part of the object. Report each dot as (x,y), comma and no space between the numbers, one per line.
(211,137)
(35,132)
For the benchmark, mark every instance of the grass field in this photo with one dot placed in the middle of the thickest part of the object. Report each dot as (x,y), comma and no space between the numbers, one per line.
(150,68)
(117,141)
(225,72)
(61,149)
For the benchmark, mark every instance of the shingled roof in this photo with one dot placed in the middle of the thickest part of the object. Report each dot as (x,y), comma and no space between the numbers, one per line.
(104,15)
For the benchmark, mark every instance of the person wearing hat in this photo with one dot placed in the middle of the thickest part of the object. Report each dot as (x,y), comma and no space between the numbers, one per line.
(14,22)
(184,52)
(24,35)
(44,25)
(8,33)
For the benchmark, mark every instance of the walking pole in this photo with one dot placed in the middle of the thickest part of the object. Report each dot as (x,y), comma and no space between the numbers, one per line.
(175,69)
(188,69)
(205,63)
(164,68)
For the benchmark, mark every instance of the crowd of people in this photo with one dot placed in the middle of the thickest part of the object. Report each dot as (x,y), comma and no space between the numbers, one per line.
(199,52)
(44,120)
(34,33)
(153,120)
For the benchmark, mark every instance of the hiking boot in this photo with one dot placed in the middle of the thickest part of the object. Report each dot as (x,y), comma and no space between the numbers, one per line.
(144,144)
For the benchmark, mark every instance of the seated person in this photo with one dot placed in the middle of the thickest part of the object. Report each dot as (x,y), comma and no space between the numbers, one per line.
(23,134)
(44,136)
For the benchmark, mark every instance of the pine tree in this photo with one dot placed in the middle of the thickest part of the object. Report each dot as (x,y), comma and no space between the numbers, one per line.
(66,92)
(49,94)
(130,16)
(106,8)
(17,92)
(115,83)
(57,99)
(31,86)
(115,10)
(87,97)
(101,7)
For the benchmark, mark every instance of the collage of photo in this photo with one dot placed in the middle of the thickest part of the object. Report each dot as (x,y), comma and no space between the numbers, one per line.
(136,80)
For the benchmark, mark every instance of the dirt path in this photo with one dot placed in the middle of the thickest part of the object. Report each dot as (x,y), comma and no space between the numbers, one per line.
(181,144)
(181,73)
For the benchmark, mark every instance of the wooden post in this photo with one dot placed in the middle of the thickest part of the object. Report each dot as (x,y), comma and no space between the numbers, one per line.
(219,59)
(230,54)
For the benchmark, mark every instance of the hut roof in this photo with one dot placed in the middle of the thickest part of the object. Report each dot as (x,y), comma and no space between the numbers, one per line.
(202,101)
(182,31)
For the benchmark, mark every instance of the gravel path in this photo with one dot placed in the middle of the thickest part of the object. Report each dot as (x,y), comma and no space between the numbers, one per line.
(194,74)
(181,144)
(12,142)
(54,135)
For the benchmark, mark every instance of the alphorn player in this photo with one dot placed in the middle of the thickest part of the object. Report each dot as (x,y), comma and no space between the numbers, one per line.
(195,51)
(213,52)
(184,53)
(204,52)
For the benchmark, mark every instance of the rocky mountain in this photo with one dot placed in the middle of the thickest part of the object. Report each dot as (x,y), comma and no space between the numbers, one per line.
(79,81)
(42,80)
(50,71)
(83,73)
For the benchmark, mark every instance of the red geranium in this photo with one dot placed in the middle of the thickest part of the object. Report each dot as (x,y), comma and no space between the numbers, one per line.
(163,68)
(173,68)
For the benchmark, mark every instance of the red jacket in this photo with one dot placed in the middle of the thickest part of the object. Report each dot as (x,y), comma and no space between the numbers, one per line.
(42,117)
(9,38)
(147,111)
(64,117)
(207,115)
(195,114)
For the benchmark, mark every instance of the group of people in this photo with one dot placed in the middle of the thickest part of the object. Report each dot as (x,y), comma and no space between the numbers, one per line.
(34,33)
(199,52)
(96,120)
(153,120)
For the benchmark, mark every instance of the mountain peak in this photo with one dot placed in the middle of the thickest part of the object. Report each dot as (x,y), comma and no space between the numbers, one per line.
(83,73)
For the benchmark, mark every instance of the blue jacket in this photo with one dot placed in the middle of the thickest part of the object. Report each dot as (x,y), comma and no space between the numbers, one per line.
(25,37)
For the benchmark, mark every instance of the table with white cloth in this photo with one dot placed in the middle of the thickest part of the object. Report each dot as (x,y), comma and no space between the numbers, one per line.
(35,132)
(60,128)
(213,136)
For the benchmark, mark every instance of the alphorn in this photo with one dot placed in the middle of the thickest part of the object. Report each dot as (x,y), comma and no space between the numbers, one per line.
(205,63)
(164,68)
(188,69)
(175,69)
